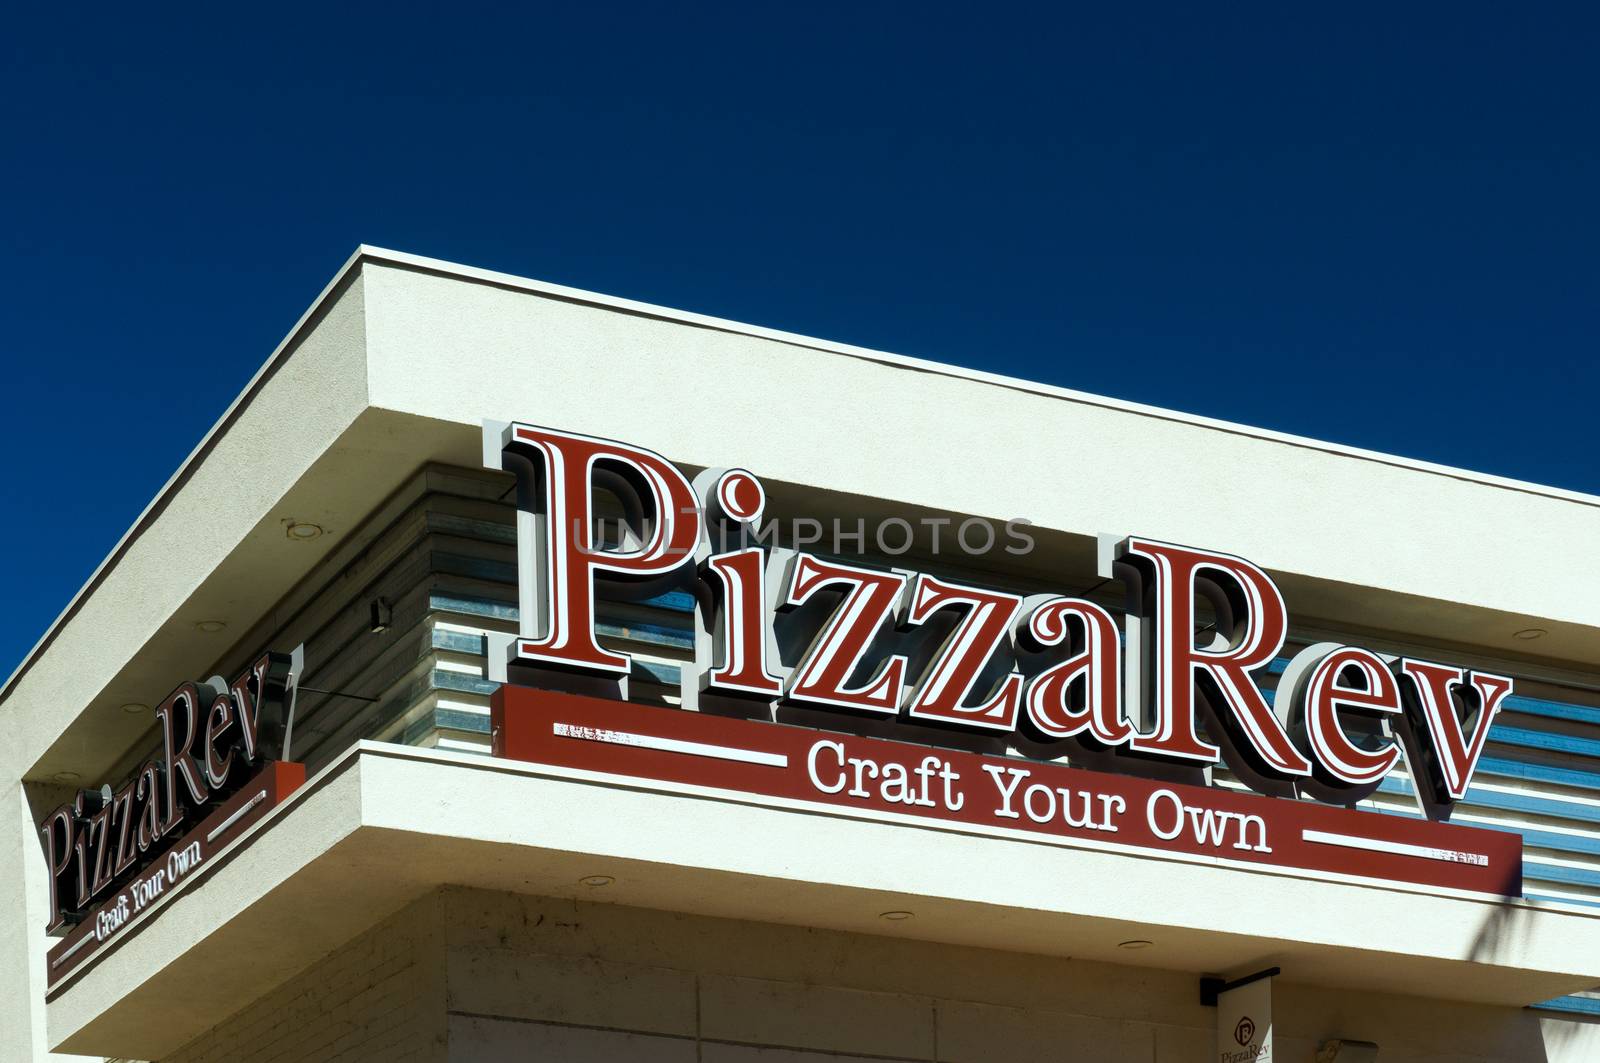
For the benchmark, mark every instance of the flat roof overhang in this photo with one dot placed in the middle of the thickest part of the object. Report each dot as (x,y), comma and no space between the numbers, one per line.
(398,361)
(401,358)
(386,824)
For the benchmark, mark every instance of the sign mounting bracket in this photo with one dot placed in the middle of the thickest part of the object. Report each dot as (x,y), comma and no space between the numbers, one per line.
(1212,987)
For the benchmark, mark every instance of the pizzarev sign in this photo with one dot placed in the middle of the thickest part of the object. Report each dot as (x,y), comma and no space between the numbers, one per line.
(1173,685)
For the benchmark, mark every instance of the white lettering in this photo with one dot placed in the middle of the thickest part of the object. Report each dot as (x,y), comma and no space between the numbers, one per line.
(1177,815)
(1106,811)
(111,918)
(149,889)
(896,784)
(949,776)
(925,772)
(811,766)
(830,769)
(1208,826)
(1260,824)
(1049,795)
(181,862)
(1006,792)
(859,790)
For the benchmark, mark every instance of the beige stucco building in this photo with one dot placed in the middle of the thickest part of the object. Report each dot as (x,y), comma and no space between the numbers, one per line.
(420,898)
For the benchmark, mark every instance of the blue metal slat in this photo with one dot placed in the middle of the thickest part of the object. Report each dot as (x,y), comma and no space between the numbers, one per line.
(1556,710)
(462,683)
(458,642)
(1543,806)
(470,606)
(469,527)
(1561,900)
(1579,1005)
(1546,839)
(665,674)
(457,720)
(658,634)
(1546,740)
(1527,770)
(1572,876)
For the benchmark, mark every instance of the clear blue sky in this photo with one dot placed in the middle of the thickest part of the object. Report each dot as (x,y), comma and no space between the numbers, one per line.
(1202,209)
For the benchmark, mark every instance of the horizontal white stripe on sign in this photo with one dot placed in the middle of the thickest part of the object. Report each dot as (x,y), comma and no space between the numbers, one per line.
(239,813)
(1376,845)
(72,949)
(672,745)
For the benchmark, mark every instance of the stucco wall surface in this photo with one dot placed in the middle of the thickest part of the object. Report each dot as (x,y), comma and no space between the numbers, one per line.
(379,997)
(155,585)
(486,977)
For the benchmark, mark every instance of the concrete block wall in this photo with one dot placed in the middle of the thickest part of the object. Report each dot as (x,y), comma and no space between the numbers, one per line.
(380,997)
(468,976)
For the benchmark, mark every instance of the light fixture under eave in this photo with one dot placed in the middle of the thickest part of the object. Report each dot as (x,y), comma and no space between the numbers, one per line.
(210,627)
(133,708)
(302,530)
(896,917)
(66,776)
(1136,943)
(597,880)
(1528,634)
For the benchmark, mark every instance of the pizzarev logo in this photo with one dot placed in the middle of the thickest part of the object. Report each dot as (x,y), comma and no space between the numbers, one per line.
(1245,1031)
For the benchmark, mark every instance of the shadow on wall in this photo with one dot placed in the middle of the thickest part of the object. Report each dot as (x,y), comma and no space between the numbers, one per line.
(1568,1037)
(1562,1036)
(1497,937)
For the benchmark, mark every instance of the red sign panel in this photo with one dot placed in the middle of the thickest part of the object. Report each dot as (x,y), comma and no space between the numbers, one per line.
(191,856)
(967,790)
